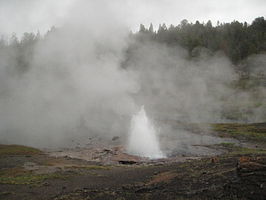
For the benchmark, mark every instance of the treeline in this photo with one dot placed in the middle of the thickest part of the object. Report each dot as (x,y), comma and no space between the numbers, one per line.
(237,40)
(18,53)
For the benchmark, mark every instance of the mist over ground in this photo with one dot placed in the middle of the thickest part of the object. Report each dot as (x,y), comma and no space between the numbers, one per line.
(89,76)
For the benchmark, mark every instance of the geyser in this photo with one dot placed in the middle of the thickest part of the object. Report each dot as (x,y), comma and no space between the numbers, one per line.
(143,139)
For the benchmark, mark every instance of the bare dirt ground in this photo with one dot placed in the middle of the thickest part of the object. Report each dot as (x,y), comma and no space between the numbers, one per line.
(109,173)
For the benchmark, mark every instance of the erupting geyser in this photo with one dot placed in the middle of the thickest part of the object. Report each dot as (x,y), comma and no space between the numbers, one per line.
(143,140)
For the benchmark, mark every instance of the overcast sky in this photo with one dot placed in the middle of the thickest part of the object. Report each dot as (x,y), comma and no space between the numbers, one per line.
(18,16)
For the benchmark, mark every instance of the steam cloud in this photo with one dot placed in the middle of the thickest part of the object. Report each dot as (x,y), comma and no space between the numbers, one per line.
(76,85)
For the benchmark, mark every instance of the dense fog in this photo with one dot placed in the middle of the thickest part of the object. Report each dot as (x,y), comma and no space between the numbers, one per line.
(90,75)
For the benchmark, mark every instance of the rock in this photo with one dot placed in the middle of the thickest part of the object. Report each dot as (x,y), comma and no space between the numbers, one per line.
(115,138)
(46,184)
(107,150)
(214,160)
(127,162)
(155,173)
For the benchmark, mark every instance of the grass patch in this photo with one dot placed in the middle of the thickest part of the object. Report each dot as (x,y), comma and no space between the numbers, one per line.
(247,151)
(5,193)
(237,150)
(18,176)
(227,145)
(17,150)
(28,179)
(94,167)
(256,132)
(91,167)
(12,172)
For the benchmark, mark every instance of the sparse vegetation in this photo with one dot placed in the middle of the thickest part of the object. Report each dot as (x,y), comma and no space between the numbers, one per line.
(20,177)
(2,194)
(238,150)
(17,150)
(247,151)
(255,132)
(227,145)
(90,167)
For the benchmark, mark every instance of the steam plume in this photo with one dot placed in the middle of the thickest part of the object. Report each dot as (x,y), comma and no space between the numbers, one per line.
(143,139)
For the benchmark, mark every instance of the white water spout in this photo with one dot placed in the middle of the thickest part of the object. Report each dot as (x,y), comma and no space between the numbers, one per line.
(143,140)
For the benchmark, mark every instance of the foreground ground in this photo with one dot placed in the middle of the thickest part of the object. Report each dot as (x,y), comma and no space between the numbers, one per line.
(27,173)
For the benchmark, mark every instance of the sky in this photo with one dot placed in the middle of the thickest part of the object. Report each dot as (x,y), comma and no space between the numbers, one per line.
(19,16)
